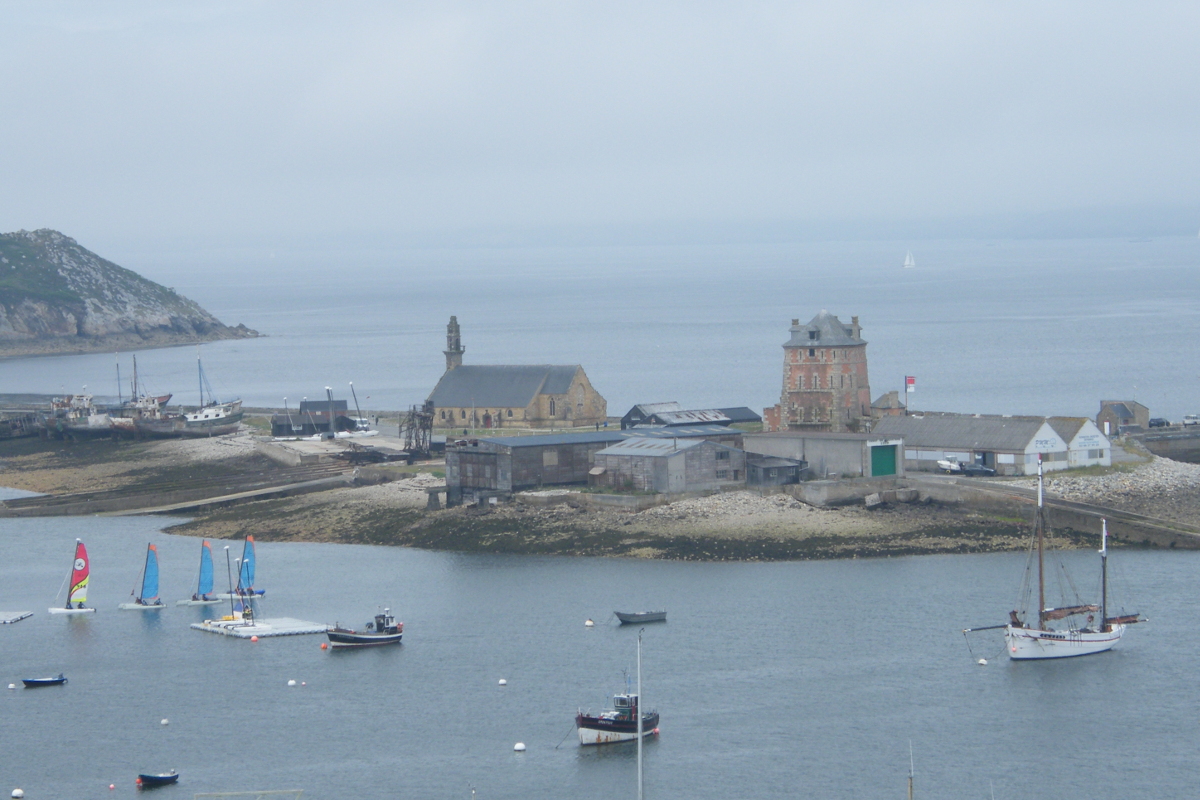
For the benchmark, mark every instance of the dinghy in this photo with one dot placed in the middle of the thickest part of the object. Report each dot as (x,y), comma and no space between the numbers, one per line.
(245,586)
(148,780)
(35,682)
(204,584)
(634,617)
(80,569)
(147,599)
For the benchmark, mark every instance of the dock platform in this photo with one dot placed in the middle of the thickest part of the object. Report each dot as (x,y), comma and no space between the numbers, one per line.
(262,628)
(9,617)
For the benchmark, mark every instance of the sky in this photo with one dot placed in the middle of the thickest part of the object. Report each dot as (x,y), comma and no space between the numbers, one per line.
(264,125)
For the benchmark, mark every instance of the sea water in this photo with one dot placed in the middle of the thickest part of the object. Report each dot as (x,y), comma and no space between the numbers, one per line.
(802,679)
(1012,327)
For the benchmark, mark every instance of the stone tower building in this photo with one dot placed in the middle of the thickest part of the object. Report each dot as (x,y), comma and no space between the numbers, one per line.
(454,349)
(825,386)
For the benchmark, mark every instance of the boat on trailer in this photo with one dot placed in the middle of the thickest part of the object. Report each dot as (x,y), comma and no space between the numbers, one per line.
(147,599)
(204,583)
(384,630)
(33,683)
(636,617)
(81,570)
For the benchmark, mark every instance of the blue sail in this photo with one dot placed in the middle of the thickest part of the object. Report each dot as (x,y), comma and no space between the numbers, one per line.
(246,573)
(205,586)
(150,576)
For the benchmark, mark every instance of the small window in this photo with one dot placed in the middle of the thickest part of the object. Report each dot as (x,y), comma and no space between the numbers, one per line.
(722,473)
(812,353)
(722,455)
(552,407)
(462,413)
(443,413)
(510,412)
(814,335)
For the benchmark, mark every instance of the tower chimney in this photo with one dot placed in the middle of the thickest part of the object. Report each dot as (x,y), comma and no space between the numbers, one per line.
(454,349)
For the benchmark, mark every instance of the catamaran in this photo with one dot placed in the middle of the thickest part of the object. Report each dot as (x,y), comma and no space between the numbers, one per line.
(1078,632)
(147,599)
(77,595)
(245,586)
(204,584)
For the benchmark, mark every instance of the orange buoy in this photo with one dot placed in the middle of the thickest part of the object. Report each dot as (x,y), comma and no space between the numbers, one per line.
(324,645)
(138,781)
(254,638)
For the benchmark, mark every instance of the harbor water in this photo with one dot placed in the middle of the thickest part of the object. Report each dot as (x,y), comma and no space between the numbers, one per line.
(803,679)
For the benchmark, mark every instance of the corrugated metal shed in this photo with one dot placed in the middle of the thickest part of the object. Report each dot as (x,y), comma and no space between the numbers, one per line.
(499,386)
(555,439)
(696,417)
(962,432)
(649,447)
(741,414)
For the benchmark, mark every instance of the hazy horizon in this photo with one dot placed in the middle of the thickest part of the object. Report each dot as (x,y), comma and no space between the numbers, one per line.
(138,127)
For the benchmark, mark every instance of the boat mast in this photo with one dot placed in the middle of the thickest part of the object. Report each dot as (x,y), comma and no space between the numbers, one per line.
(1040,523)
(120,400)
(910,770)
(1104,626)
(133,387)
(200,376)
(145,564)
(638,710)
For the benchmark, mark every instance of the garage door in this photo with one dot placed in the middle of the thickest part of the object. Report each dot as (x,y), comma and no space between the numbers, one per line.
(883,460)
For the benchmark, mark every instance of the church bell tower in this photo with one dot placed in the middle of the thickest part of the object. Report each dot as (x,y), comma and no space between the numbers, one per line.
(454,349)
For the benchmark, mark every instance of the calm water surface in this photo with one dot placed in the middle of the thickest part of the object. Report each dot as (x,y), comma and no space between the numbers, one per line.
(799,679)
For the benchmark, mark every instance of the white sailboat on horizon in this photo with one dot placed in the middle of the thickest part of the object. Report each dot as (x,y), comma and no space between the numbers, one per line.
(909,261)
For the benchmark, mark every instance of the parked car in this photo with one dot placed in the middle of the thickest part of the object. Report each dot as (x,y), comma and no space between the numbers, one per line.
(976,470)
(1159,422)
(1191,419)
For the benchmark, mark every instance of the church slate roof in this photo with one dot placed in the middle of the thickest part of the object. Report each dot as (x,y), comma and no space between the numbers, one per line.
(498,386)
(829,330)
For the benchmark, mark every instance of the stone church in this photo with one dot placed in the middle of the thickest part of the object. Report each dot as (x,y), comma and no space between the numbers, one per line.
(825,386)
(500,396)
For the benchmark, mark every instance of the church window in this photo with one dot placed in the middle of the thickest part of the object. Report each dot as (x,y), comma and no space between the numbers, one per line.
(462,413)
(510,412)
(443,413)
(552,407)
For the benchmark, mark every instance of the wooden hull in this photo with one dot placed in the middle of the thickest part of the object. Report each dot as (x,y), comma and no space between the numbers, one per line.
(634,617)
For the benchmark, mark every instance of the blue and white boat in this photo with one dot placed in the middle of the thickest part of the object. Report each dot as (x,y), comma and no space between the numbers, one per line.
(147,598)
(245,586)
(204,584)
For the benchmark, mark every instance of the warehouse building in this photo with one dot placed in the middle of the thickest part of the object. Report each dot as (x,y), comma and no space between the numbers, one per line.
(833,455)
(1009,445)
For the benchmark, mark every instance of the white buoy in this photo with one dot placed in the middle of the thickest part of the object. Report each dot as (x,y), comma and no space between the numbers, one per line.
(12,686)
(18,793)
(588,624)
(291,683)
(982,662)
(503,682)
(519,747)
(165,721)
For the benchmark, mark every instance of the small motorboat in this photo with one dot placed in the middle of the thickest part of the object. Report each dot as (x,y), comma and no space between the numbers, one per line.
(634,617)
(384,630)
(147,780)
(34,682)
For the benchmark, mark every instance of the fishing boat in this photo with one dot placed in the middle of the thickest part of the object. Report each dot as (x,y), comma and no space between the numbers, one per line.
(204,584)
(147,598)
(77,416)
(211,418)
(625,722)
(139,406)
(245,586)
(1077,632)
(148,780)
(909,261)
(633,617)
(32,683)
(77,595)
(384,630)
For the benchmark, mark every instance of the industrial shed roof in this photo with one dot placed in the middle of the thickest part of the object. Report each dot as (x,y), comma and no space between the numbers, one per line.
(555,439)
(498,386)
(962,432)
(649,447)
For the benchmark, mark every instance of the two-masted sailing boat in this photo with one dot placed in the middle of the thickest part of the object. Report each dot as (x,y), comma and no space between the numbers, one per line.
(81,569)
(147,598)
(1067,630)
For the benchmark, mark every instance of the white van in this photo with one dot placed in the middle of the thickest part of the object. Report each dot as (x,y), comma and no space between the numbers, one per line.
(1191,419)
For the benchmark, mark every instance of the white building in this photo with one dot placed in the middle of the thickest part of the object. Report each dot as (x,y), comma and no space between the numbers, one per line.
(1009,445)
(1086,445)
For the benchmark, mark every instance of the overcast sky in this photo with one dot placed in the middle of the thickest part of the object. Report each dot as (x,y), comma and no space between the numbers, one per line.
(265,123)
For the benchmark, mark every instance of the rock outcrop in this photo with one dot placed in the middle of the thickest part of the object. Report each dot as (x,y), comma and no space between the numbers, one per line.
(59,297)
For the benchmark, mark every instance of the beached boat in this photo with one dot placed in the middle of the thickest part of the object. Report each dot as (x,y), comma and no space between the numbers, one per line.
(80,571)
(245,586)
(634,617)
(1076,632)
(212,418)
(204,583)
(384,630)
(77,416)
(146,598)
(32,683)
(625,722)
(148,780)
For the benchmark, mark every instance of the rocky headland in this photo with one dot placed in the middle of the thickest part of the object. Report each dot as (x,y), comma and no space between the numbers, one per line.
(59,297)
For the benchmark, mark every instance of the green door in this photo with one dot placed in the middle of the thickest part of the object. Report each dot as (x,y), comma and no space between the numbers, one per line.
(883,460)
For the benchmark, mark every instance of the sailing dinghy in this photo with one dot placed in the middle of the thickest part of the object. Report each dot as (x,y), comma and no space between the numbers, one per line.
(245,586)
(1077,632)
(80,570)
(204,584)
(147,599)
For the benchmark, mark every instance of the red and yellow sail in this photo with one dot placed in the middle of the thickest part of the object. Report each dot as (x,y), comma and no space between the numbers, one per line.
(79,575)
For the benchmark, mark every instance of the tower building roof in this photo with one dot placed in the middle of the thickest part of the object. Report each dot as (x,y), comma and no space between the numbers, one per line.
(824,330)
